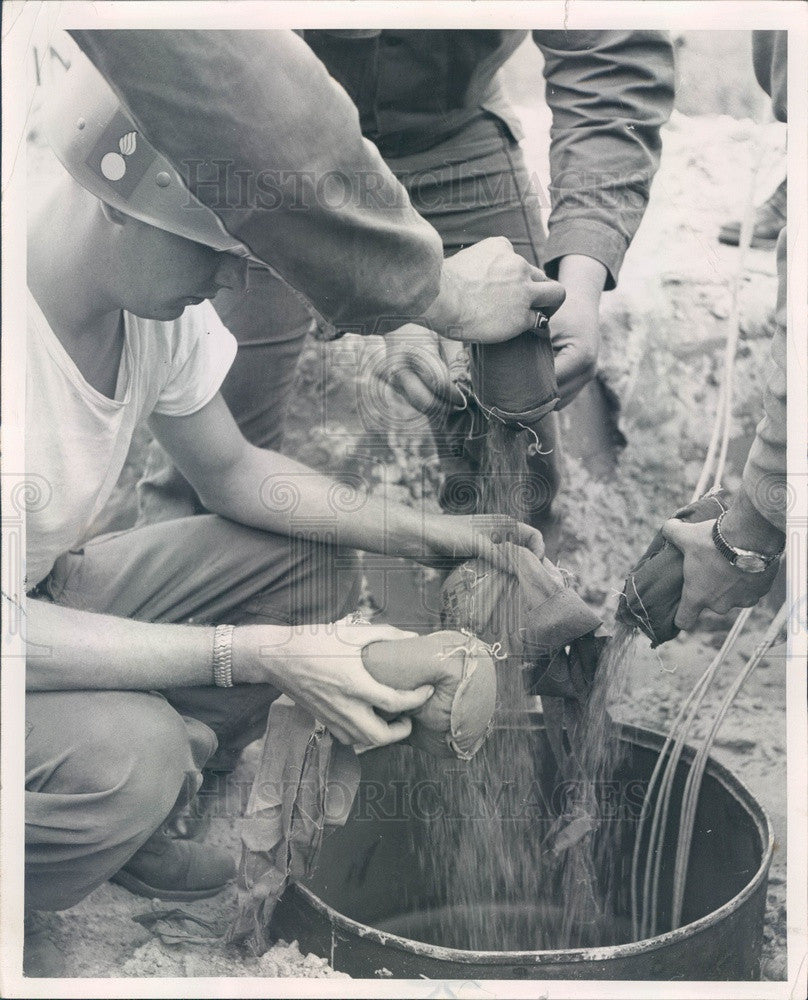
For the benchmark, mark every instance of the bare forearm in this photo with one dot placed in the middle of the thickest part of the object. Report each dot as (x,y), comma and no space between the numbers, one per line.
(575,327)
(269,491)
(290,498)
(80,650)
(583,277)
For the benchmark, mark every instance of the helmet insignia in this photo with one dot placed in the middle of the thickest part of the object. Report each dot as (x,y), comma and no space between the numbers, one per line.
(113,165)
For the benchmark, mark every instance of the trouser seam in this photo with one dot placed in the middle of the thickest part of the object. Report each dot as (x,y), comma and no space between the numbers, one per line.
(520,198)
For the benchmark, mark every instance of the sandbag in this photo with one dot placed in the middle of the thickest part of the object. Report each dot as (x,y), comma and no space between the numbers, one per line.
(305,781)
(457,718)
(529,621)
(566,674)
(515,379)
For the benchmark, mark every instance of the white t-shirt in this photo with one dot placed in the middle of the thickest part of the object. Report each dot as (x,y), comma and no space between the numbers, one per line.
(77,439)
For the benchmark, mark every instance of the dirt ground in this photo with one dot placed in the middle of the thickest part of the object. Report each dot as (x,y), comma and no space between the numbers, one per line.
(664,329)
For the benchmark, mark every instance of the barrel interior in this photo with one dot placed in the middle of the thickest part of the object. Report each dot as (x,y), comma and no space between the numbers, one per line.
(372,870)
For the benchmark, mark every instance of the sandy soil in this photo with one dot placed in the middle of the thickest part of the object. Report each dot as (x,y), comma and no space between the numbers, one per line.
(664,329)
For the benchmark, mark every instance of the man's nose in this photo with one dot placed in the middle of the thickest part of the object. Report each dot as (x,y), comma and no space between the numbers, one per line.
(231,272)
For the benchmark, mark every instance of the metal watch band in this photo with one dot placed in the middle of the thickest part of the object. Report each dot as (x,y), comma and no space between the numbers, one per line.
(734,555)
(223,656)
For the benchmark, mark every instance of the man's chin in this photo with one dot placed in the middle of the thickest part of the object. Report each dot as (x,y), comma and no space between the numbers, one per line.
(169,311)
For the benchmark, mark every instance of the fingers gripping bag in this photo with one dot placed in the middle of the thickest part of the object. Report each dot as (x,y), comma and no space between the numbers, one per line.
(653,588)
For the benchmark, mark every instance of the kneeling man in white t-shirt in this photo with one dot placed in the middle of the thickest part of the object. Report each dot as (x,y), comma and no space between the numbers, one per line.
(155,648)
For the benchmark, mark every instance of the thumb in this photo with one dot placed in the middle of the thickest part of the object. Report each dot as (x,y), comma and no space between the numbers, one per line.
(396,700)
(397,730)
(675,532)
(548,295)
(415,391)
(530,538)
(567,361)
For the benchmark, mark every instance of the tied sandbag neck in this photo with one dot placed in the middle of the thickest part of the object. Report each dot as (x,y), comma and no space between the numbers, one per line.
(549,631)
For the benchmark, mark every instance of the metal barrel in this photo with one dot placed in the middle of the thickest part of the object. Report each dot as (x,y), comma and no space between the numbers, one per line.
(366,878)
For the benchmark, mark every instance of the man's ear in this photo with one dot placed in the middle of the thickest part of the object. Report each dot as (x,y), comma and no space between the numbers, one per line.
(112,214)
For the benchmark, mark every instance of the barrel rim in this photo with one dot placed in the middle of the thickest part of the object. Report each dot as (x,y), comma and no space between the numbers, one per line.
(650,739)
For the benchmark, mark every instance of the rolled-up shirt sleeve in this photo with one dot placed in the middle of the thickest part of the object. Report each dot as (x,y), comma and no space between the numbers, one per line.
(610,93)
(269,141)
(764,475)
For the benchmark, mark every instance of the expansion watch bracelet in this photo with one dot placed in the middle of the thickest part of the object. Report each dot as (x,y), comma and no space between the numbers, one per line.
(223,656)
(744,560)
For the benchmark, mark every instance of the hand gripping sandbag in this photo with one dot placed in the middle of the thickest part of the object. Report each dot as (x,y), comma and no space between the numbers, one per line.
(457,718)
(653,588)
(306,781)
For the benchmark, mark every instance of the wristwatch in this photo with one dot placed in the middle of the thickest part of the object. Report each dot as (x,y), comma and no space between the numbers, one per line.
(745,560)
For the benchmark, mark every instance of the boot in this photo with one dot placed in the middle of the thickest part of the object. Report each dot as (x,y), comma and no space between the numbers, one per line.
(181,870)
(193,822)
(41,958)
(769,220)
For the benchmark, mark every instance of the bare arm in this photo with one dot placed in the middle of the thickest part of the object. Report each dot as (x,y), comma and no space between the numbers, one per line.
(575,329)
(322,669)
(267,490)
(80,650)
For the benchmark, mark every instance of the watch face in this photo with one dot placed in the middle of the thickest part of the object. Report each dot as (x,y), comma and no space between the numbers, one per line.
(749,562)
